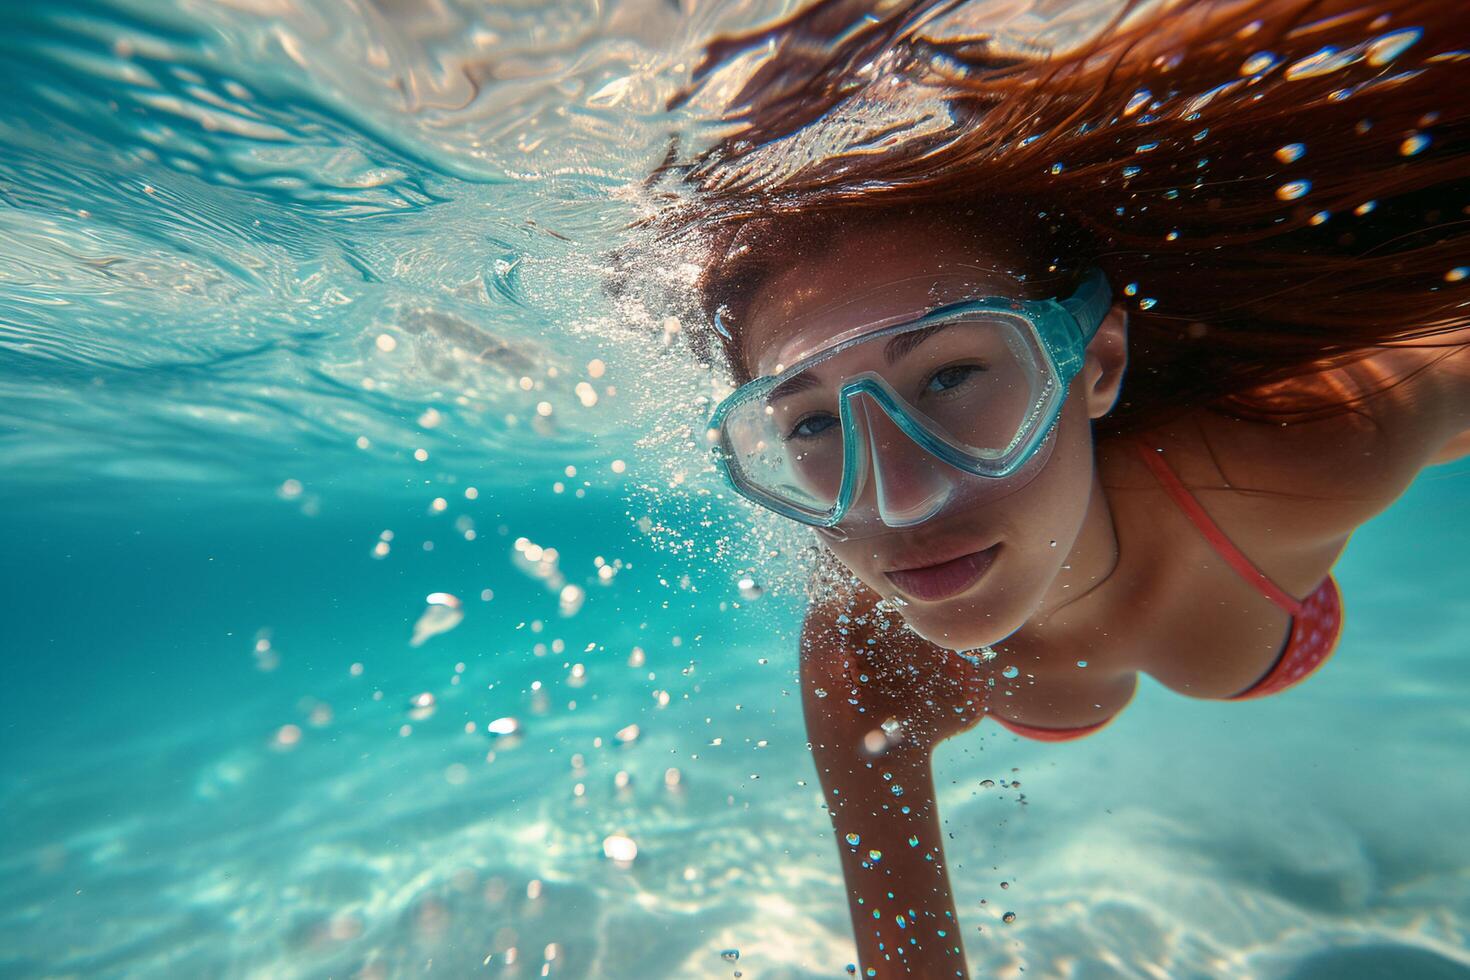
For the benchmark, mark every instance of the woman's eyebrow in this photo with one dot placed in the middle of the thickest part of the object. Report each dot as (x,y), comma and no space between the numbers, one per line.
(793,384)
(906,342)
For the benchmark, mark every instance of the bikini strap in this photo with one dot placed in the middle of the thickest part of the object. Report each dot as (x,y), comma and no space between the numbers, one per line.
(1223,546)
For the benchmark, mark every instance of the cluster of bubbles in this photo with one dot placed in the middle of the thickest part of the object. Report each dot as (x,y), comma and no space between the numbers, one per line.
(543,564)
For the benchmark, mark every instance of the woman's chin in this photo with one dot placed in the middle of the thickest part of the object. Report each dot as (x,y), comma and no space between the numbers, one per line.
(961,634)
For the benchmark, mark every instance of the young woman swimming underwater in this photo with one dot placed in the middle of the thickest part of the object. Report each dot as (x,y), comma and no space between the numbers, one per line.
(1082,365)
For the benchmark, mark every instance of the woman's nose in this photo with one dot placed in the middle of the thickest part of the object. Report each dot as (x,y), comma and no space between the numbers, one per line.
(909,485)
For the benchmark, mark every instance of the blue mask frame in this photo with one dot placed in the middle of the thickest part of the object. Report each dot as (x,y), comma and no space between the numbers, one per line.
(1062,329)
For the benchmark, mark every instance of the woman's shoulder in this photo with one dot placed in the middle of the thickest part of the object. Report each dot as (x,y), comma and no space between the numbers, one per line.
(1282,496)
(1310,482)
(1351,438)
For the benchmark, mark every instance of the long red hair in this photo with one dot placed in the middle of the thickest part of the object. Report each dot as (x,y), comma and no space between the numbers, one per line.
(1272,186)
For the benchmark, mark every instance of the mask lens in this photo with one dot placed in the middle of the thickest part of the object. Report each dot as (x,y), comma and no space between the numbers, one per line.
(789,448)
(974,382)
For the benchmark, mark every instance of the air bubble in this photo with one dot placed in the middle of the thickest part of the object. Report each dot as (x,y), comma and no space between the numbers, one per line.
(571,598)
(1414,144)
(1324,61)
(442,613)
(422,706)
(1388,47)
(504,727)
(1291,152)
(1293,189)
(1260,62)
(619,849)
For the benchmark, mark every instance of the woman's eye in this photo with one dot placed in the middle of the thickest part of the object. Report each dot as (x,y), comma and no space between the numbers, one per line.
(951,377)
(812,425)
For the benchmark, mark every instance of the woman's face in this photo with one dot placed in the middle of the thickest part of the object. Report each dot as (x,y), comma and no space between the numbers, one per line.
(1018,542)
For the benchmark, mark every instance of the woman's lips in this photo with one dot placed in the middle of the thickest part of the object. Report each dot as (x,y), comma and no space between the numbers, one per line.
(933,582)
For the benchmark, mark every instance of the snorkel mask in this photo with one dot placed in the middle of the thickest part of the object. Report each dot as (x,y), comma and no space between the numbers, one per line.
(891,424)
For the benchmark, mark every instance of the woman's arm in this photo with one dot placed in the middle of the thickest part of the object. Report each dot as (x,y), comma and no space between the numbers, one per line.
(882,804)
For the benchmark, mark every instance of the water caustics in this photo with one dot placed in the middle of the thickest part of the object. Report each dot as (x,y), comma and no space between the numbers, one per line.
(309,223)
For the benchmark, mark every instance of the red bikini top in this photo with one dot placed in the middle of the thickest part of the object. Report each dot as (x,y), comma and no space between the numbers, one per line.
(1316,621)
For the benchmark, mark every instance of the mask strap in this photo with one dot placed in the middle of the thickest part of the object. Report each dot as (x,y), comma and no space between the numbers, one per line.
(1089,305)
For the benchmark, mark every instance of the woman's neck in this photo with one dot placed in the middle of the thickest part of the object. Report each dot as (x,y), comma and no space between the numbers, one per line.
(1077,657)
(1093,561)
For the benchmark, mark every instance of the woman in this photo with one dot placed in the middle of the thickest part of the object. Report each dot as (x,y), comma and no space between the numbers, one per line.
(1083,365)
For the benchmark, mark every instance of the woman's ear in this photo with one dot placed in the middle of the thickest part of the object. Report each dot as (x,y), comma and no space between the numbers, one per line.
(1106,359)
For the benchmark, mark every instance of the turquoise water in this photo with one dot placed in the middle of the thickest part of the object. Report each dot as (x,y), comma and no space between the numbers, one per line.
(155,827)
(270,281)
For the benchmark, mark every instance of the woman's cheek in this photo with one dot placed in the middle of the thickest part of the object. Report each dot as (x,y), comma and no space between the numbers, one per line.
(868,573)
